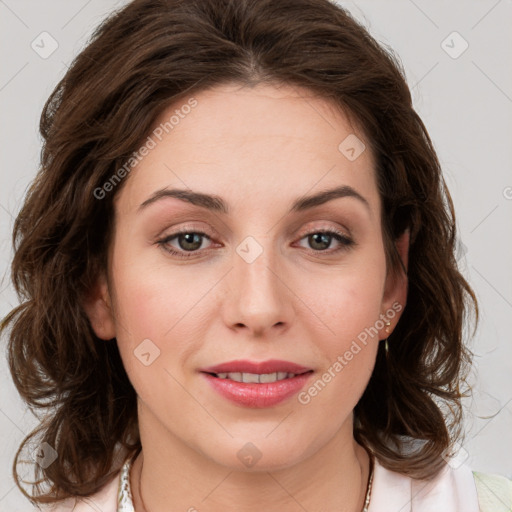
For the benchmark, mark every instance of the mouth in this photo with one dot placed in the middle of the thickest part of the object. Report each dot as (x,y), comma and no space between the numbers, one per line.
(256,378)
(257,390)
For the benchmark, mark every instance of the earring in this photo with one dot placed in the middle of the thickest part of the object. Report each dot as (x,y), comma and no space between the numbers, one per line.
(388,323)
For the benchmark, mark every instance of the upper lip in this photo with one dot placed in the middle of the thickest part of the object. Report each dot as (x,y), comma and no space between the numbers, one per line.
(270,366)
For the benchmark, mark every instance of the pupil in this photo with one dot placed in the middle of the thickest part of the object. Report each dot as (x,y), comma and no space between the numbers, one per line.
(321,238)
(189,239)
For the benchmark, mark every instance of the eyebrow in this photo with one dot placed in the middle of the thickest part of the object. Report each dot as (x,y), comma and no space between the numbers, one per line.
(217,204)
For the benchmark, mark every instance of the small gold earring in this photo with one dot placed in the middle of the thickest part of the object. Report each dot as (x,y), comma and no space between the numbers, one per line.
(387,327)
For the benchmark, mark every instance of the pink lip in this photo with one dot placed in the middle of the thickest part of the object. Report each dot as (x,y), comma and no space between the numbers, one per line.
(252,394)
(243,366)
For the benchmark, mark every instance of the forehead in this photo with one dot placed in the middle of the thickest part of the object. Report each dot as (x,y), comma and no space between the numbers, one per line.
(247,142)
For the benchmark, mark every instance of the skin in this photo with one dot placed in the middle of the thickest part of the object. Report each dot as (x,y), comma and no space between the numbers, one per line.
(259,149)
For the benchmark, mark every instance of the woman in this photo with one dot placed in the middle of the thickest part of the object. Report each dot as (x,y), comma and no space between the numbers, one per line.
(238,275)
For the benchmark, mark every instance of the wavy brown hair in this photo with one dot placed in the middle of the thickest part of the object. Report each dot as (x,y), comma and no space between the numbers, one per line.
(140,60)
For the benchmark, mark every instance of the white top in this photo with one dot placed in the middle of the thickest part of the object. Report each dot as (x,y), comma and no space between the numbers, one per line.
(452,490)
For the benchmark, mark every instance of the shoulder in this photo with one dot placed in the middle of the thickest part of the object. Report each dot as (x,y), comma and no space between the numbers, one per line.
(453,489)
(494,492)
(105,500)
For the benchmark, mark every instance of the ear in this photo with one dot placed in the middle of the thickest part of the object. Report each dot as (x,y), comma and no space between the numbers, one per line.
(395,290)
(98,307)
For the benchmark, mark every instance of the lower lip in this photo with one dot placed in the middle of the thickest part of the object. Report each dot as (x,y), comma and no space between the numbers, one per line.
(251,394)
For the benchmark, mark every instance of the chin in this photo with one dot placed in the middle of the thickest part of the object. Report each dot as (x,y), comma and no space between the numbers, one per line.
(257,455)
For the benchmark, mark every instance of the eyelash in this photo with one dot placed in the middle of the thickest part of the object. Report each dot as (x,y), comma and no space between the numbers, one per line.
(344,240)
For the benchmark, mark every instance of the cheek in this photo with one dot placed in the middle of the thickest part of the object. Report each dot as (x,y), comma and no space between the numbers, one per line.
(150,298)
(345,301)
(155,304)
(347,342)
(344,327)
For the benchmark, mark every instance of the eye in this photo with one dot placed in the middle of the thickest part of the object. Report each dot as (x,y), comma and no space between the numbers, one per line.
(320,240)
(189,243)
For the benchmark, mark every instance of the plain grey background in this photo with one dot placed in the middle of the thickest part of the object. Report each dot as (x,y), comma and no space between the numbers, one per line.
(457,58)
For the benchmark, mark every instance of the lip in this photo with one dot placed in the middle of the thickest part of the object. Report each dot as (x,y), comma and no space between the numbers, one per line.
(245,366)
(250,394)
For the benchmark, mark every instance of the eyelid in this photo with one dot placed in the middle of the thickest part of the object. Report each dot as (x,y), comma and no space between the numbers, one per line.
(312,227)
(193,226)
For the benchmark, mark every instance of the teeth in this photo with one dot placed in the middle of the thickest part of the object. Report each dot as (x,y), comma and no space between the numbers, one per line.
(255,377)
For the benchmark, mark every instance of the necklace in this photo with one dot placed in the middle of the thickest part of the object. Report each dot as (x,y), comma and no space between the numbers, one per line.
(369,488)
(366,500)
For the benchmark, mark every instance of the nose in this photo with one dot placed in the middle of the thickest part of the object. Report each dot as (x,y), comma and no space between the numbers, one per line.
(259,297)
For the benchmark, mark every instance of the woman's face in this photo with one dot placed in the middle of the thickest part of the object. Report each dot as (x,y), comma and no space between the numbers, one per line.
(255,279)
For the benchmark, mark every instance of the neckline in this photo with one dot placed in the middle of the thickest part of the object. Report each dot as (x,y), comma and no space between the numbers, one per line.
(125,497)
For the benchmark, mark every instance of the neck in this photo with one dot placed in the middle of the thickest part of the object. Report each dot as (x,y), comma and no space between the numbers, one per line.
(334,477)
